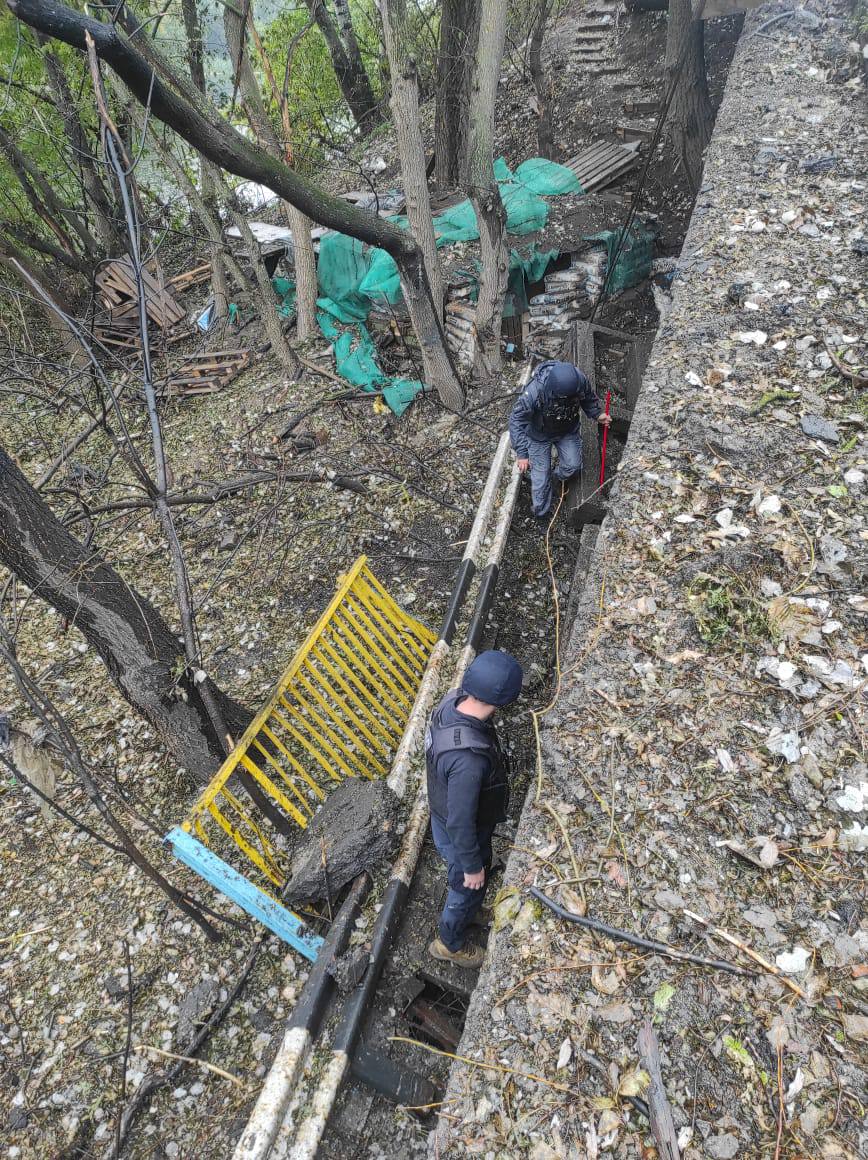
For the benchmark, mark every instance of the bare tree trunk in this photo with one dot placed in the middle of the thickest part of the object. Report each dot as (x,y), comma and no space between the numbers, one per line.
(350,72)
(306,287)
(690,116)
(408,133)
(542,88)
(139,649)
(219,282)
(13,259)
(176,102)
(100,202)
(459,29)
(299,224)
(483,189)
(207,214)
(19,233)
(267,302)
(209,178)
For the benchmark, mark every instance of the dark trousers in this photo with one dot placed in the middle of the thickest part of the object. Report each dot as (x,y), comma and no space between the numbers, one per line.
(462,903)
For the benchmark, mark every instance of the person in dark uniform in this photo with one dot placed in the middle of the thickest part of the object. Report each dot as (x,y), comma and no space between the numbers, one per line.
(547,414)
(468,792)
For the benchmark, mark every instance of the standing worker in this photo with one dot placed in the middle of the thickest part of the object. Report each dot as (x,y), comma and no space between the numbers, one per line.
(548,413)
(468,792)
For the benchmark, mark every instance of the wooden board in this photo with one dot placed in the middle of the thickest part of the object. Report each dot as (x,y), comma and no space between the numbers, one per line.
(189,278)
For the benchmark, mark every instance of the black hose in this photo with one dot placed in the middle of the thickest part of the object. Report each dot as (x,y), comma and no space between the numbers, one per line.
(635,939)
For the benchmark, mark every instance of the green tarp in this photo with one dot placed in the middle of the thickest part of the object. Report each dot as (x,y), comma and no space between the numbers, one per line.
(354,277)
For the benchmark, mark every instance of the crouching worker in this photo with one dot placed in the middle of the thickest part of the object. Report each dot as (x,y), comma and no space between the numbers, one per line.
(547,414)
(468,792)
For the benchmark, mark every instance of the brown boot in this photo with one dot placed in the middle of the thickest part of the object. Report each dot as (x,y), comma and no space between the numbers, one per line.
(469,956)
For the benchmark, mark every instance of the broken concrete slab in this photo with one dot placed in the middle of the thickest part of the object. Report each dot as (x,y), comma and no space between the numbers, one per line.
(355,830)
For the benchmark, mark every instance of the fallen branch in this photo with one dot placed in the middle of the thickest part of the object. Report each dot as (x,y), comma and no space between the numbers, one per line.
(662,1124)
(222,490)
(597,1064)
(856,375)
(745,949)
(636,940)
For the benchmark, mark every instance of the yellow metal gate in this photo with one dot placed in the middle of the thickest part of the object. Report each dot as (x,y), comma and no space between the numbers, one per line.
(338,711)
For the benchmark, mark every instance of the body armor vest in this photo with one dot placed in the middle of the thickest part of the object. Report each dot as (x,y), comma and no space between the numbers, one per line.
(441,739)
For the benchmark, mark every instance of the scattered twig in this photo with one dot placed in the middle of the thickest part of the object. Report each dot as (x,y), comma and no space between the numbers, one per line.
(597,1064)
(780,1102)
(563,830)
(191,1059)
(662,1124)
(634,939)
(857,375)
(745,949)
(23,933)
(558,1087)
(153,1082)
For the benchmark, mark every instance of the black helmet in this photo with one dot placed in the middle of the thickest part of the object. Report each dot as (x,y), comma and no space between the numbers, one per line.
(562,379)
(494,677)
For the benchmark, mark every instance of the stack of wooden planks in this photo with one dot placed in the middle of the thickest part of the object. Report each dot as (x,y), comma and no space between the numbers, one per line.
(190,278)
(200,374)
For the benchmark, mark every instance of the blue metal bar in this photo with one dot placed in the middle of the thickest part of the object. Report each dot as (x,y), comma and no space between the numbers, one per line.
(250,898)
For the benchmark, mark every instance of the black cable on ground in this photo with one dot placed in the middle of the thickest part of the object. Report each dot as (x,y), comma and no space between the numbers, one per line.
(636,940)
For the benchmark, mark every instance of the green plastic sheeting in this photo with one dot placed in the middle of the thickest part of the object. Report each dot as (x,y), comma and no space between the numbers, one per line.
(354,277)
(356,361)
(285,291)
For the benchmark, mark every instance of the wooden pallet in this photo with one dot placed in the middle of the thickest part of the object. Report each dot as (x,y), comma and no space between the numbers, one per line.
(641,108)
(117,285)
(201,374)
(604,163)
(118,337)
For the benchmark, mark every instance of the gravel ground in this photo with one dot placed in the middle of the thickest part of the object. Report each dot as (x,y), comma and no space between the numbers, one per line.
(706,751)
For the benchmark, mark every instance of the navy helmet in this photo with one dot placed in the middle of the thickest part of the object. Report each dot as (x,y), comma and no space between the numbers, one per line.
(562,380)
(495,677)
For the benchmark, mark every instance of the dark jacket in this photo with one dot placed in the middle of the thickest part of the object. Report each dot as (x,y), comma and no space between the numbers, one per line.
(468,778)
(536,415)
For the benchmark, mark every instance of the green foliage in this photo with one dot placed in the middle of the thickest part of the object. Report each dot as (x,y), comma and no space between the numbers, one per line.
(317,110)
(28,115)
(860,20)
(723,607)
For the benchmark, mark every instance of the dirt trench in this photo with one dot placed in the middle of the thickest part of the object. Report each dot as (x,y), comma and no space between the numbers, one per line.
(417,997)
